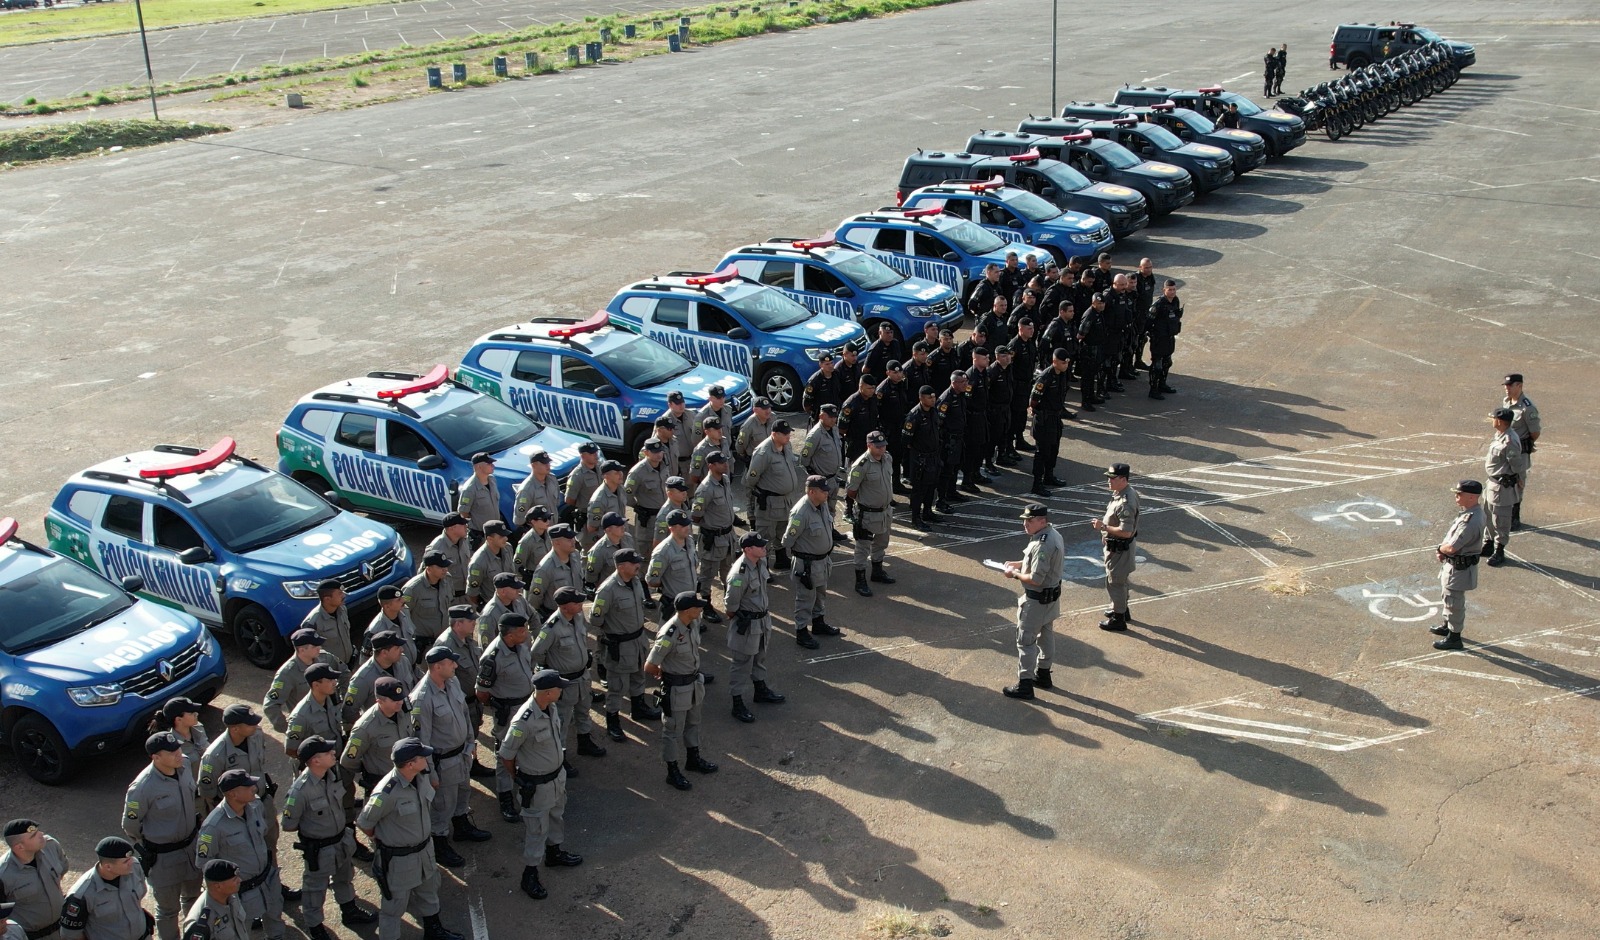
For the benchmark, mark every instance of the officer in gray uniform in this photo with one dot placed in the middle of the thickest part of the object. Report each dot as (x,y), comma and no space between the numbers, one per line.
(317,713)
(459,639)
(675,660)
(607,497)
(505,677)
(388,661)
(599,560)
(618,615)
(672,565)
(539,488)
(677,499)
(683,435)
(809,537)
(492,559)
(870,485)
(717,407)
(714,442)
(443,723)
(159,816)
(479,502)
(712,511)
(392,618)
(365,757)
(181,716)
(1118,528)
(218,914)
(1503,467)
(749,627)
(397,818)
(30,877)
(241,747)
(1040,603)
(581,484)
(1525,422)
(822,453)
(533,753)
(107,901)
(646,490)
(1458,563)
(314,810)
(237,831)
(507,599)
(331,619)
(562,644)
(428,598)
(562,567)
(535,542)
(453,543)
(289,684)
(756,428)
(775,481)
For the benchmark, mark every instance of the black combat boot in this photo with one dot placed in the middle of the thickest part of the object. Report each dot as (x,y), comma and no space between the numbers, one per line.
(446,853)
(556,857)
(1451,642)
(821,627)
(1499,556)
(462,829)
(919,523)
(351,913)
(434,929)
(699,764)
(802,636)
(1023,689)
(643,710)
(880,575)
(1488,547)
(572,772)
(480,771)
(780,560)
(1041,679)
(742,711)
(766,694)
(1114,622)
(1442,629)
(290,895)
(1155,390)
(614,726)
(319,932)
(530,883)
(587,747)
(676,777)
(862,587)
(508,807)
(1165,388)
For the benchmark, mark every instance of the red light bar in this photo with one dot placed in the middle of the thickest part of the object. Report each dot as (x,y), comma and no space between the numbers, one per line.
(587,326)
(721,277)
(199,463)
(436,377)
(987,185)
(1124,122)
(1031,156)
(8,528)
(1081,135)
(1165,106)
(819,243)
(1211,90)
(923,213)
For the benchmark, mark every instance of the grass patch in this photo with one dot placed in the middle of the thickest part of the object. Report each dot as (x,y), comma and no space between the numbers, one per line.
(100,19)
(32,144)
(898,923)
(1287,581)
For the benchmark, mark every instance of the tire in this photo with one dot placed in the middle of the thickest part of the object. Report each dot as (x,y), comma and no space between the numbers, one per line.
(315,481)
(782,386)
(1333,126)
(635,443)
(257,635)
(1357,61)
(41,750)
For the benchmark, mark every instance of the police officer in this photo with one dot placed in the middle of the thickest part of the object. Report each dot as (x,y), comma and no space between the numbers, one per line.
(983,293)
(646,491)
(975,340)
(107,901)
(1458,563)
(479,502)
(1093,339)
(1144,293)
(331,619)
(714,441)
(1503,466)
(387,720)
(885,347)
(505,678)
(618,614)
(675,660)
(942,362)
(847,373)
(218,914)
(494,557)
(507,599)
(533,754)
(920,432)
(584,479)
(754,431)
(31,870)
(318,713)
(1048,401)
(452,543)
(992,323)
(822,455)
(461,640)
(1040,603)
(953,418)
(1118,527)
(539,488)
(313,809)
(858,416)
(683,439)
(237,830)
(672,567)
(397,817)
(1102,275)
(562,644)
(975,443)
(894,401)
(181,716)
(1525,423)
(562,567)
(1125,298)
(749,627)
(388,661)
(241,747)
(443,722)
(774,480)
(677,502)
(158,815)
(712,511)
(1118,322)
(918,372)
(289,683)
(598,562)
(428,598)
(717,407)
(1025,363)
(535,542)
(1166,322)
(1001,389)
(871,485)
(809,537)
(607,497)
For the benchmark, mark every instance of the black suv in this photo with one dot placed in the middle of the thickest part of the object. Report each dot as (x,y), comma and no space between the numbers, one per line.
(1210,167)
(1247,149)
(1164,186)
(1122,208)
(1359,44)
(1279,130)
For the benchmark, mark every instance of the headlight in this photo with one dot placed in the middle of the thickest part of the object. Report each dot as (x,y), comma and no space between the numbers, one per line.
(1119,210)
(1083,239)
(304,590)
(916,310)
(96,695)
(1163,186)
(402,552)
(1242,148)
(1206,164)
(208,643)
(814,353)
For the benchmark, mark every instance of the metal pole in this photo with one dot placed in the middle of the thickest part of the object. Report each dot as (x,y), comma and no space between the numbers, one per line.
(1055,9)
(148,74)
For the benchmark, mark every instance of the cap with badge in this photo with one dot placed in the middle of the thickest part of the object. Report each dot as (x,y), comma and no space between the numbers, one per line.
(717,391)
(436,560)
(20,827)
(306,636)
(711,423)
(537,513)
(628,556)
(539,456)
(612,519)
(409,749)
(677,517)
(463,612)
(236,778)
(1514,378)
(392,689)
(314,745)
(781,426)
(1468,486)
(763,403)
(1503,414)
(1118,470)
(173,707)
(561,531)
(219,870)
(830,409)
(816,481)
(876,437)
(511,622)
(482,457)
(654,446)
(549,679)
(162,741)
(316,672)
(674,398)
(566,594)
(677,483)
(112,849)
(507,579)
(716,456)
(439,654)
(753,540)
(588,447)
(390,592)
(496,527)
(1035,511)
(687,600)
(240,714)
(453,519)
(613,466)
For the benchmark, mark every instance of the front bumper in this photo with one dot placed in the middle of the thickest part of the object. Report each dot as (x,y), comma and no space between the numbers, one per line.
(202,685)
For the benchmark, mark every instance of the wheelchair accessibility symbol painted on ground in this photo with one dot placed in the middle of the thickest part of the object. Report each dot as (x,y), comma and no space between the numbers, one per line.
(1414,599)
(1359,514)
(1083,562)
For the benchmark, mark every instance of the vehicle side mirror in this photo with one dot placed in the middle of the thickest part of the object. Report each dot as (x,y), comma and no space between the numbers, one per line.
(133,584)
(607,391)
(843,293)
(1014,223)
(739,333)
(951,256)
(431,462)
(1049,192)
(198,555)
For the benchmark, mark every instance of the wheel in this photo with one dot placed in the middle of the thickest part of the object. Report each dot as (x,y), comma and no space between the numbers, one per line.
(1357,61)
(1333,127)
(313,481)
(41,751)
(636,439)
(258,637)
(781,386)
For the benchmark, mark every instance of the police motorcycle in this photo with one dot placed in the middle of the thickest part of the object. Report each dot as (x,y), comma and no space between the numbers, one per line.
(1320,108)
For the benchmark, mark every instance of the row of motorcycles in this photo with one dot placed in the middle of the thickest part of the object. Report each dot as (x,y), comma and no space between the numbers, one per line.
(1366,94)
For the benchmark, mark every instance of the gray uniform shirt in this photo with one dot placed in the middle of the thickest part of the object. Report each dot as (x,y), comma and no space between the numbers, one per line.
(312,717)
(554,573)
(470,652)
(531,493)
(506,672)
(161,810)
(97,909)
(1122,511)
(645,486)
(397,814)
(531,549)
(1042,559)
(603,501)
(672,571)
(562,644)
(677,647)
(289,686)
(747,590)
(335,631)
(581,484)
(495,611)
(485,564)
(221,757)
(372,739)
(810,528)
(1504,457)
(403,626)
(1524,417)
(314,807)
(661,531)
(362,692)
(1465,535)
(713,504)
(208,920)
(441,713)
(697,459)
(35,888)
(480,501)
(872,481)
(534,741)
(775,470)
(241,838)
(598,561)
(428,605)
(751,434)
(698,425)
(460,555)
(823,451)
(619,606)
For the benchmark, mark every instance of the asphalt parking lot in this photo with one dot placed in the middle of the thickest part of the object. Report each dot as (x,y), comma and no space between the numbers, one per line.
(1241,763)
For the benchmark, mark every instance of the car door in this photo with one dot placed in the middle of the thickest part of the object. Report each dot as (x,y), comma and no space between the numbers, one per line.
(819,288)
(995,217)
(134,538)
(575,382)
(928,261)
(358,472)
(403,450)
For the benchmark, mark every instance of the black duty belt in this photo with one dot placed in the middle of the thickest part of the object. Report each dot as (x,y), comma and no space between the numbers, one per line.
(614,641)
(400,851)
(250,884)
(1045,595)
(808,556)
(1505,479)
(646,516)
(1462,562)
(863,507)
(43,931)
(575,676)
(537,780)
(1119,545)
(671,680)
(715,533)
(443,756)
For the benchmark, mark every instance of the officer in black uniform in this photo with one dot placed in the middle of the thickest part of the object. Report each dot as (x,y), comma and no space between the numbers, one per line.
(1002,379)
(1092,339)
(975,340)
(981,300)
(920,433)
(893,397)
(1145,287)
(1166,322)
(1116,326)
(993,323)
(822,388)
(883,349)
(975,444)
(918,372)
(1048,401)
(942,362)
(859,416)
(1025,352)
(847,373)
(952,435)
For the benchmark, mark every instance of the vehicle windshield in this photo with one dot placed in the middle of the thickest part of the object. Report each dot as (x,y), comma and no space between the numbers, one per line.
(1118,156)
(483,424)
(58,601)
(1246,106)
(767,309)
(1161,137)
(1064,178)
(265,512)
(1029,206)
(867,272)
(643,363)
(972,239)
(1196,122)
(1426,34)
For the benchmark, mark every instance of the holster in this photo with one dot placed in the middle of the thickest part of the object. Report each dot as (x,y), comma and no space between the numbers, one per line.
(1045,595)
(568,514)
(527,784)
(803,574)
(503,707)
(381,875)
(311,848)
(272,786)
(1118,545)
(761,499)
(860,530)
(1462,562)
(614,641)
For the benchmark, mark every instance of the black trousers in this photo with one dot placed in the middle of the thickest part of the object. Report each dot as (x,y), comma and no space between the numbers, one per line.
(949,468)
(1019,420)
(1000,437)
(1047,438)
(974,450)
(924,474)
